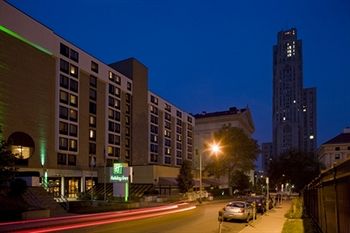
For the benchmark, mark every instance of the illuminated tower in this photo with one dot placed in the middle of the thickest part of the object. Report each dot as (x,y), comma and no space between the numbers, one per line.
(294,108)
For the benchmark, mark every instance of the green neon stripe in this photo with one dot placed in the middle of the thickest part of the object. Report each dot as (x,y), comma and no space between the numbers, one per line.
(15,35)
(126,191)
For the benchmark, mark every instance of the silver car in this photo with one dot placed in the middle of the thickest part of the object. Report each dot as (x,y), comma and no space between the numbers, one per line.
(238,210)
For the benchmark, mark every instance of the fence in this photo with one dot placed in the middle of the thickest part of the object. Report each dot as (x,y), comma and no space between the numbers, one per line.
(327,199)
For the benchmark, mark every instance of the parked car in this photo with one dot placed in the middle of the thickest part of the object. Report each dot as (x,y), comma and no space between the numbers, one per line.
(236,210)
(260,203)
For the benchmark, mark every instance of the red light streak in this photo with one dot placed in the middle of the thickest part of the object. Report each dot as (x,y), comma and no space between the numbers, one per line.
(101,222)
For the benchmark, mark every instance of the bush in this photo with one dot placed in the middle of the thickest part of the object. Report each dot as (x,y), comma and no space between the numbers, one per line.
(18,187)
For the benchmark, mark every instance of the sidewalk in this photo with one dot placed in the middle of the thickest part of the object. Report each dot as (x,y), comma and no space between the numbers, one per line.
(271,222)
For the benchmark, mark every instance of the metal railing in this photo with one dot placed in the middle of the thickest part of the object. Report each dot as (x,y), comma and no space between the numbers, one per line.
(327,199)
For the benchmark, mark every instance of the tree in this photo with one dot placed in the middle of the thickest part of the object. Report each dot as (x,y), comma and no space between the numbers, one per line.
(295,168)
(240,181)
(238,153)
(185,177)
(7,164)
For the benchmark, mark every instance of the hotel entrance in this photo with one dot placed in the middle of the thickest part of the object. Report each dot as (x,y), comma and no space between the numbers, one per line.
(72,187)
(54,186)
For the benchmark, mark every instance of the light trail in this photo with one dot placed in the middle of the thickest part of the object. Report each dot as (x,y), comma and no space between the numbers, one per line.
(92,216)
(102,222)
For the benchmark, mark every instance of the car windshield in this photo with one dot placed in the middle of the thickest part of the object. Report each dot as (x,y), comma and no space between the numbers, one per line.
(236,204)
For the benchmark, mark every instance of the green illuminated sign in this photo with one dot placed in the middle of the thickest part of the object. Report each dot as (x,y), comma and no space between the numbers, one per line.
(118,173)
(17,36)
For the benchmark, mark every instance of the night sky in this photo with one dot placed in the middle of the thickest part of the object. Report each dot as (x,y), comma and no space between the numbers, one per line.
(206,55)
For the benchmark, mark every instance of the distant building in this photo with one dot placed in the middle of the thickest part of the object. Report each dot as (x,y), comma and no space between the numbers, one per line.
(207,123)
(68,115)
(266,155)
(336,149)
(294,107)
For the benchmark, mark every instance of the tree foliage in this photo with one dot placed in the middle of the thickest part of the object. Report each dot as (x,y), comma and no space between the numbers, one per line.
(240,181)
(7,164)
(295,168)
(238,152)
(185,177)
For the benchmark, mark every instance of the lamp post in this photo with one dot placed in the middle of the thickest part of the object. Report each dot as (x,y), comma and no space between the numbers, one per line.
(215,149)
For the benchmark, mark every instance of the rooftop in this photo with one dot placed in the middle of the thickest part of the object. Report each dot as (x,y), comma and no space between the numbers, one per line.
(231,111)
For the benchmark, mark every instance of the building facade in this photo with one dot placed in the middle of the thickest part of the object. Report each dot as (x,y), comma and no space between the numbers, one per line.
(207,123)
(335,150)
(266,156)
(294,107)
(68,115)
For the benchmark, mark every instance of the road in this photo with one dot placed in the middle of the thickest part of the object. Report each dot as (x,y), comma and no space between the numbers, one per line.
(202,219)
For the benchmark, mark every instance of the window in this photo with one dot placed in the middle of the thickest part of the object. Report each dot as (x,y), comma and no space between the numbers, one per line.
(93,81)
(154,119)
(168,107)
(92,108)
(178,114)
(73,70)
(167,133)
(64,66)
(73,145)
(189,119)
(167,125)
(179,122)
(154,148)
(92,94)
(167,151)
(127,143)
(127,131)
(337,148)
(64,81)
(128,108)
(72,160)
(64,50)
(64,97)
(73,130)
(73,100)
(74,55)
(167,116)
(92,134)
(92,121)
(73,85)
(73,115)
(63,112)
(128,86)
(154,99)
(63,128)
(63,143)
(167,160)
(154,138)
(167,142)
(128,97)
(92,148)
(154,110)
(127,120)
(154,129)
(61,159)
(94,67)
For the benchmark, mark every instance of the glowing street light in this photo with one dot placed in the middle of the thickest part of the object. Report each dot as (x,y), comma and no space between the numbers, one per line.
(214,148)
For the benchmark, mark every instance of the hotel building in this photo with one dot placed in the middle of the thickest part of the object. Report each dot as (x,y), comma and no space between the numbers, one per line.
(68,115)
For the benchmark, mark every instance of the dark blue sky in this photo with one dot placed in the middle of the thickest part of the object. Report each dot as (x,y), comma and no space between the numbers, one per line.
(206,55)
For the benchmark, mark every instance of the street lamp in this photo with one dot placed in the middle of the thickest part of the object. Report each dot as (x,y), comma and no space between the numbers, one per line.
(214,148)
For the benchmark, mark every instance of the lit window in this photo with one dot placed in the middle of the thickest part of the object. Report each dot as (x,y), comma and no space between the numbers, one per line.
(284,118)
(311,137)
(73,100)
(73,70)
(92,134)
(294,101)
